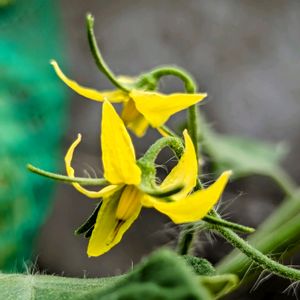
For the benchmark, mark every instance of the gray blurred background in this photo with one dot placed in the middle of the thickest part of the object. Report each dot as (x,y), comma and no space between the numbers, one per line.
(245,54)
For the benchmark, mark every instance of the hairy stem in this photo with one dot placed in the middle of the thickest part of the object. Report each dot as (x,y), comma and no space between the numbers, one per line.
(277,233)
(256,256)
(67,179)
(233,226)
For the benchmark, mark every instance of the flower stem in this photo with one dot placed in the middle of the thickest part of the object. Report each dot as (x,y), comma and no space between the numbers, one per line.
(255,255)
(98,57)
(67,179)
(190,87)
(277,233)
(185,239)
(187,234)
(233,226)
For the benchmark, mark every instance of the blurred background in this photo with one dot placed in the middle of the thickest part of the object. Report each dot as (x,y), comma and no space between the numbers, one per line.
(244,54)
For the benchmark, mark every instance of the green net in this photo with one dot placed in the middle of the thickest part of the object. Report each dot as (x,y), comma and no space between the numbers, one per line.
(32,122)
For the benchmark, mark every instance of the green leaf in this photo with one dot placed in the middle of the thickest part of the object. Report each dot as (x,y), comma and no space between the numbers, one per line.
(219,285)
(245,156)
(163,275)
(44,287)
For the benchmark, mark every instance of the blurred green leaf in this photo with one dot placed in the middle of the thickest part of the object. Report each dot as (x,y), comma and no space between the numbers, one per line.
(163,275)
(219,285)
(245,156)
(44,287)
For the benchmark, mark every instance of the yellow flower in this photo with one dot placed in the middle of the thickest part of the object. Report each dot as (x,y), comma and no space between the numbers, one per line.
(124,197)
(140,108)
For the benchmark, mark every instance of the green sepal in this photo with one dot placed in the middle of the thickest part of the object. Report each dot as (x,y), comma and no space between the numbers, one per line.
(89,223)
(89,232)
(162,193)
(67,179)
(217,285)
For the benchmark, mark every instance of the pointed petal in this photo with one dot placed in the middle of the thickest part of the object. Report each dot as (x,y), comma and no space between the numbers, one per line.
(106,191)
(117,150)
(158,108)
(133,119)
(185,172)
(195,206)
(113,96)
(108,229)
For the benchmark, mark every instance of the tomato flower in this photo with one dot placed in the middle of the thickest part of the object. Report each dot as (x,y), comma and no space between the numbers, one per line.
(124,197)
(140,108)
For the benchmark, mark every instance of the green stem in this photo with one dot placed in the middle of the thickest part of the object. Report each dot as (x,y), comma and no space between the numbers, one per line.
(189,82)
(147,162)
(256,256)
(98,57)
(191,88)
(187,234)
(185,239)
(281,229)
(233,226)
(168,131)
(172,142)
(67,179)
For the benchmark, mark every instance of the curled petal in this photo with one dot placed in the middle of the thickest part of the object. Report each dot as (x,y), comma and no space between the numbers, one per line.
(117,150)
(195,206)
(112,96)
(158,108)
(109,230)
(185,172)
(106,191)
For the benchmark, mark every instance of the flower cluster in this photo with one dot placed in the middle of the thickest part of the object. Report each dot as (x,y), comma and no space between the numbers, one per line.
(125,196)
(130,184)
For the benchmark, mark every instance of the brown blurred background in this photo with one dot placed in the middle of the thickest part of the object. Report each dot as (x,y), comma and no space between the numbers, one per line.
(245,54)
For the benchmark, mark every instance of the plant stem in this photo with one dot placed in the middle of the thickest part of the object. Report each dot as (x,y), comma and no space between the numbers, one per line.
(256,256)
(67,179)
(187,234)
(233,226)
(185,239)
(280,230)
(189,82)
(103,67)
(174,143)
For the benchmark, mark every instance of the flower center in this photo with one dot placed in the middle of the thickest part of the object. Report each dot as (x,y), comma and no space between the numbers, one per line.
(129,200)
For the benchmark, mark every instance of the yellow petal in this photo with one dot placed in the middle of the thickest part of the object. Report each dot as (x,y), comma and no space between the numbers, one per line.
(185,172)
(158,108)
(109,230)
(113,96)
(117,150)
(129,80)
(106,191)
(195,206)
(133,119)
